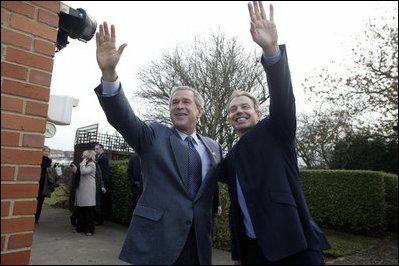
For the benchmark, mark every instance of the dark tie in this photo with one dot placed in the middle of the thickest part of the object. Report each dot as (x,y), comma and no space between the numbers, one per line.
(194,168)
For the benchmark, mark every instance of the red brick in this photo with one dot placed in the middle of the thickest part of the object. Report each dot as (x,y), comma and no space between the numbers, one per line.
(40,78)
(15,258)
(12,104)
(16,38)
(49,18)
(44,47)
(14,191)
(49,5)
(33,27)
(5,208)
(23,240)
(36,108)
(19,156)
(19,7)
(7,173)
(25,89)
(29,59)
(13,71)
(24,207)
(9,138)
(23,123)
(3,244)
(31,140)
(29,173)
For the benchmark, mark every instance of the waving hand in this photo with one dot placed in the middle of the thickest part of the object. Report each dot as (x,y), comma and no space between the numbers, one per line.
(263,30)
(107,55)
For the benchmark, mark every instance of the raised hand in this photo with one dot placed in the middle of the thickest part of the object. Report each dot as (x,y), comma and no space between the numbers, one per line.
(263,31)
(107,55)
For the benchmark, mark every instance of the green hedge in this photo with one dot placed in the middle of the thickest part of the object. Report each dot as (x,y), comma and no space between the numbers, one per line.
(391,190)
(121,196)
(351,201)
(221,231)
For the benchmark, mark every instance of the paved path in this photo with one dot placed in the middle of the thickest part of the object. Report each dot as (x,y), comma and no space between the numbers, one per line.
(55,244)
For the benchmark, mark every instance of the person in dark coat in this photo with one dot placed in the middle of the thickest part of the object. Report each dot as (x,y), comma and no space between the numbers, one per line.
(135,178)
(100,190)
(102,161)
(269,220)
(42,194)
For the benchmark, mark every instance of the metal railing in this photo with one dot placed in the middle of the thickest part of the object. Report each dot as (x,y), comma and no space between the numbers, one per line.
(89,134)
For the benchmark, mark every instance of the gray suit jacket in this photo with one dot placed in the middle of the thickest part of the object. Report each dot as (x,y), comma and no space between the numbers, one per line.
(165,211)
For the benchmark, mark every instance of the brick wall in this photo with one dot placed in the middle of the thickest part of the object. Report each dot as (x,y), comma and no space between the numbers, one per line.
(28,36)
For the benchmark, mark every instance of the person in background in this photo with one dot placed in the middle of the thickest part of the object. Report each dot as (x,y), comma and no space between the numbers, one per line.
(100,191)
(75,179)
(85,197)
(135,178)
(43,186)
(270,221)
(102,161)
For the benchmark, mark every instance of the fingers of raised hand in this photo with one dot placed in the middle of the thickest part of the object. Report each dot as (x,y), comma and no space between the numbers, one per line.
(251,13)
(257,11)
(107,35)
(262,11)
(104,33)
(258,14)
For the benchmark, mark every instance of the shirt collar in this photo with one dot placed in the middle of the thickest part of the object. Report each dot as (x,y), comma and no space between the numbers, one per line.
(183,136)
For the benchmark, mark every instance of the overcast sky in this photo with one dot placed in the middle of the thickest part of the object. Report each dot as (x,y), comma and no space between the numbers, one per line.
(315,33)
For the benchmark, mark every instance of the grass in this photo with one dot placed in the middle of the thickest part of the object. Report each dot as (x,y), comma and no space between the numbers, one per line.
(59,197)
(343,244)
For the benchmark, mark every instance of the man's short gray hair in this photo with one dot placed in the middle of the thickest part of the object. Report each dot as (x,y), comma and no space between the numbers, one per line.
(199,101)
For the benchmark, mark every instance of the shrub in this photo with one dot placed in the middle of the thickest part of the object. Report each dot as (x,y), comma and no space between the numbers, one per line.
(121,198)
(347,200)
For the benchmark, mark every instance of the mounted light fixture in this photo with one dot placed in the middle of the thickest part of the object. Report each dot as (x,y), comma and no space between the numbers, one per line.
(75,23)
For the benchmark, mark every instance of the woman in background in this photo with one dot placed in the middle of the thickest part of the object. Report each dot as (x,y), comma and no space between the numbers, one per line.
(85,199)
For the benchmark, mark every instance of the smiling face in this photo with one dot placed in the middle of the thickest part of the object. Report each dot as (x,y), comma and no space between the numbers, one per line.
(242,114)
(184,112)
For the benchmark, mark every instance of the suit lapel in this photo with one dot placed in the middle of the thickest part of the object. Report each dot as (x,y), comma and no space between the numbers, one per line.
(180,153)
(212,157)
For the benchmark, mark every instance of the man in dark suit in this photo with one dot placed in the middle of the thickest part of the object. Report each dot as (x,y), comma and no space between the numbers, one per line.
(105,198)
(171,223)
(135,178)
(269,220)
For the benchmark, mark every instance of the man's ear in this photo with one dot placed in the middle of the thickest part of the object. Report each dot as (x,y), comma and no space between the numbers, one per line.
(259,113)
(200,113)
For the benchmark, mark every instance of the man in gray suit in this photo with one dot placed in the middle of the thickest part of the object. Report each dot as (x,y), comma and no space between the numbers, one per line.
(171,223)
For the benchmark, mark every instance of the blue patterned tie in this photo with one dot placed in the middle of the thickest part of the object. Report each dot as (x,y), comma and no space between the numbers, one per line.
(194,168)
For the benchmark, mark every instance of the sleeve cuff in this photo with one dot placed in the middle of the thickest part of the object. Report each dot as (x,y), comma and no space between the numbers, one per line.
(271,60)
(110,88)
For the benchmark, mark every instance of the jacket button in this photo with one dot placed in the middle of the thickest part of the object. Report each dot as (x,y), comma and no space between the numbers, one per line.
(188,222)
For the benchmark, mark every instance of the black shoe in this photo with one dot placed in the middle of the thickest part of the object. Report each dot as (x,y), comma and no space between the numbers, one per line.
(73,220)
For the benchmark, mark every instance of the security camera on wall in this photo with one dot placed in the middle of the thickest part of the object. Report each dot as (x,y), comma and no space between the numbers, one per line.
(74,23)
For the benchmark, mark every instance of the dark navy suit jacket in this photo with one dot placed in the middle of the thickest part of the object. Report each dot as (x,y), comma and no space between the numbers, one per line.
(265,162)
